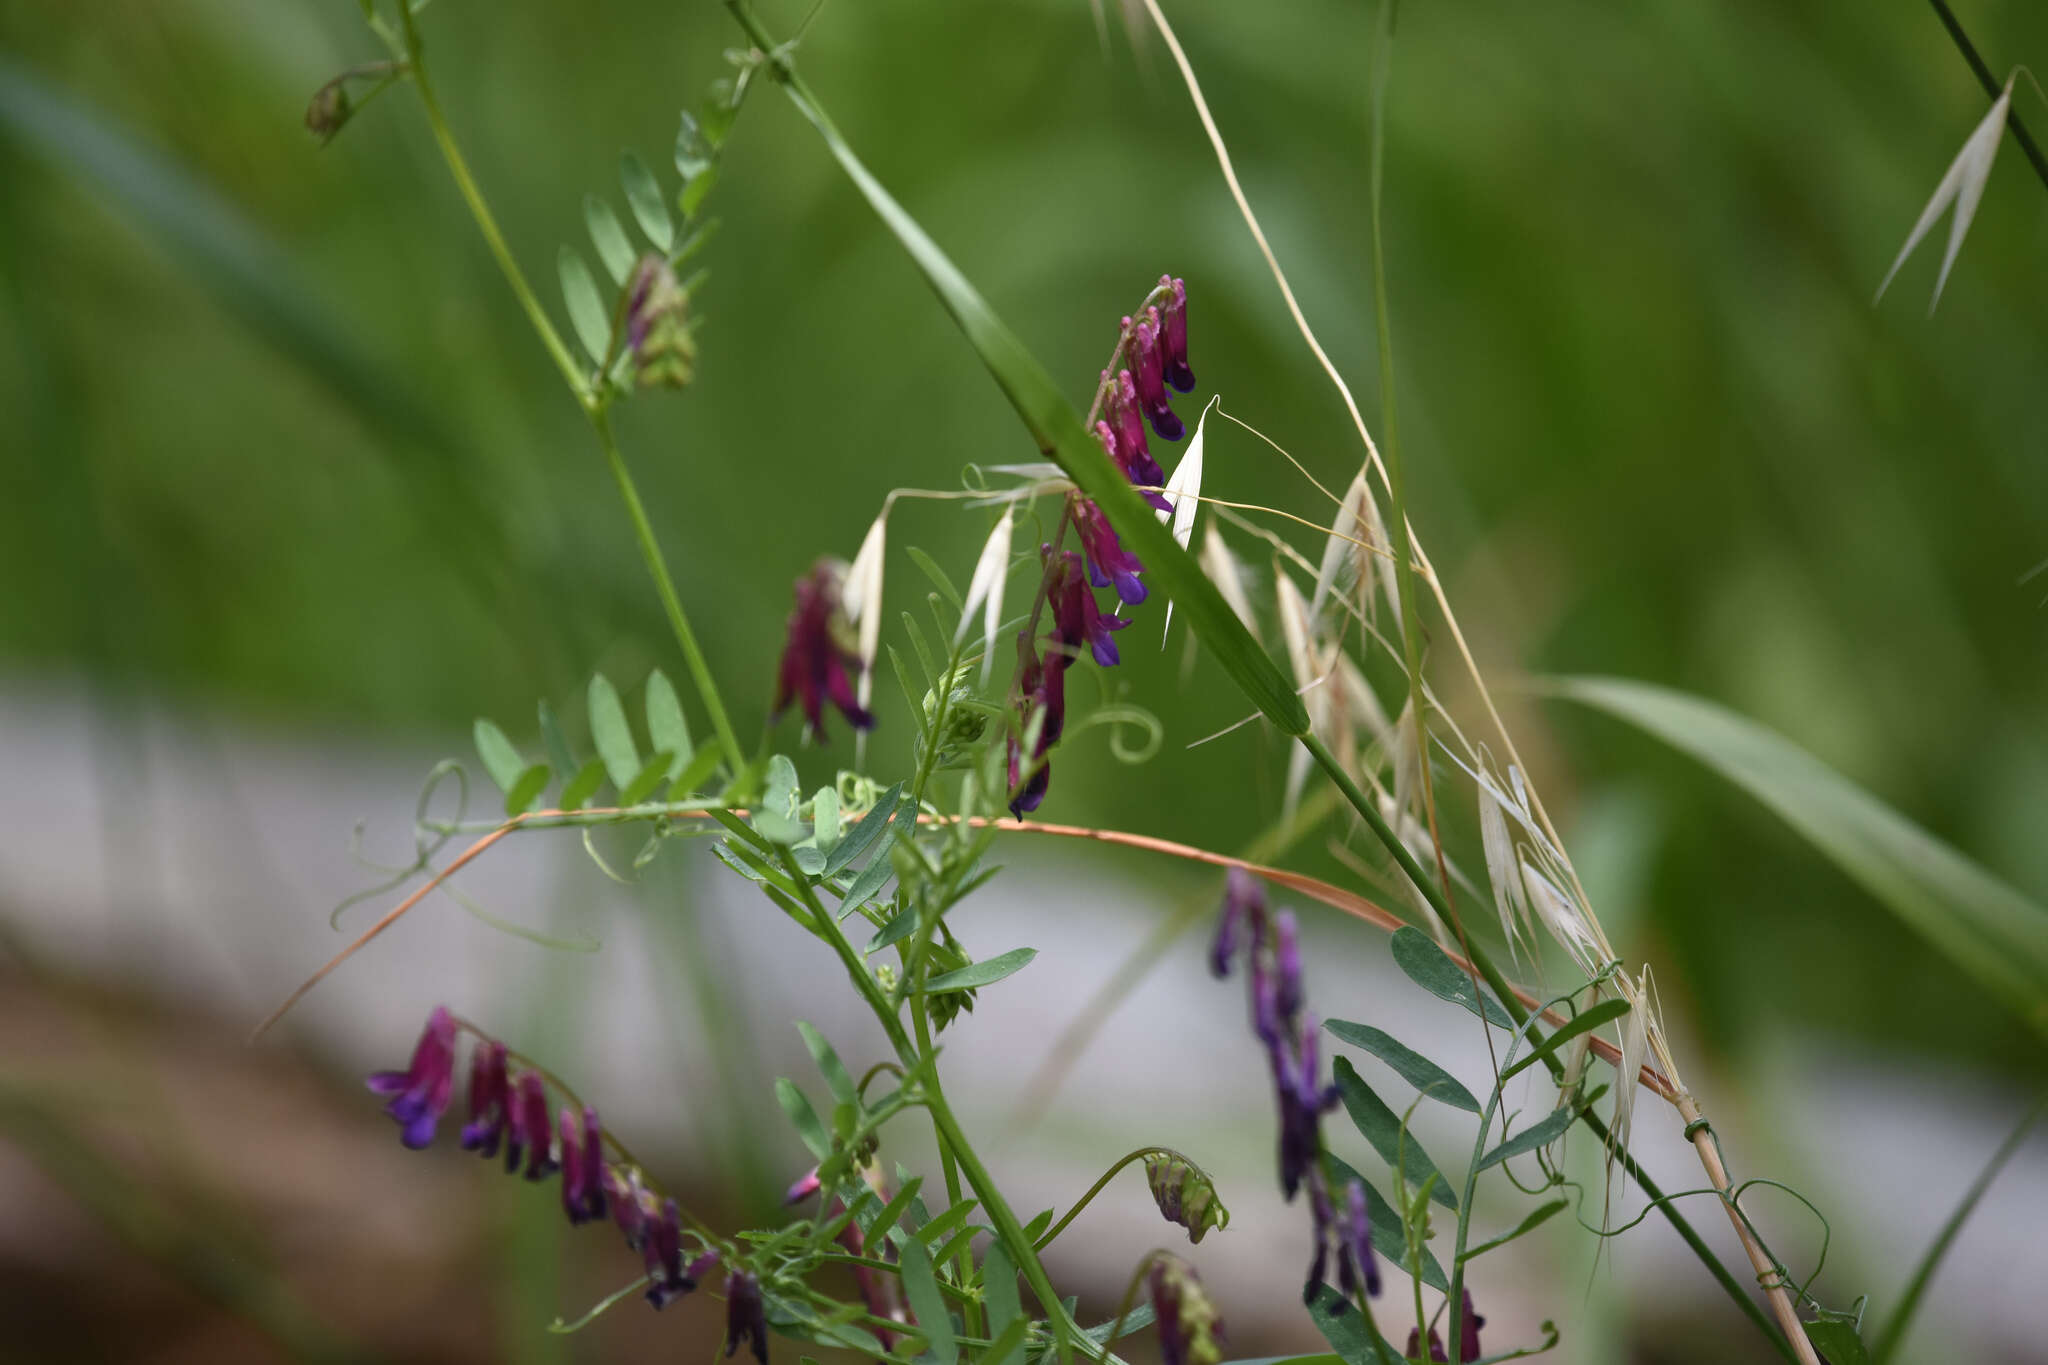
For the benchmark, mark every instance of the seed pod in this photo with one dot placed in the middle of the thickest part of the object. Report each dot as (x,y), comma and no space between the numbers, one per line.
(1185,1193)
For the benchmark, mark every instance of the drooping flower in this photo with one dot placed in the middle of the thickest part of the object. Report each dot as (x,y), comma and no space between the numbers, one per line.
(1108,561)
(820,659)
(1287,961)
(668,1279)
(1042,691)
(1077,620)
(1190,1329)
(745,1317)
(1436,1345)
(420,1093)
(1126,442)
(1244,908)
(582,1166)
(490,1098)
(806,1186)
(1148,372)
(1185,1193)
(631,1205)
(1469,1324)
(1355,1263)
(1173,335)
(529,1133)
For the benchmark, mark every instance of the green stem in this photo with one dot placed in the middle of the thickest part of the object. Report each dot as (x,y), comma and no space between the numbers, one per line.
(665,588)
(1057,1228)
(485,222)
(949,1166)
(1370,813)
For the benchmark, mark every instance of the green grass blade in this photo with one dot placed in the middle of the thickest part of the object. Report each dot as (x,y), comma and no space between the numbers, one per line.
(1986,927)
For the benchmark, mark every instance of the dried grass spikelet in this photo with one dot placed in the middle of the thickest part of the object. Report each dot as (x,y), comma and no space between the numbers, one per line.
(1184,491)
(1635,1048)
(1345,565)
(861,599)
(985,589)
(1560,914)
(1504,872)
(1303,659)
(1963,186)
(1228,575)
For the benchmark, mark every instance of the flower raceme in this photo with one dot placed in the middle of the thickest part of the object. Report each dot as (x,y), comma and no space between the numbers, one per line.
(511,1109)
(820,659)
(1151,354)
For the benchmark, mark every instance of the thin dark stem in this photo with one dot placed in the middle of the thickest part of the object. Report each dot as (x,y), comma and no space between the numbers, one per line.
(1992,87)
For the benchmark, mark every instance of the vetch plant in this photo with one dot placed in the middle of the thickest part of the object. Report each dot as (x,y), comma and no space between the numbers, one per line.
(870,865)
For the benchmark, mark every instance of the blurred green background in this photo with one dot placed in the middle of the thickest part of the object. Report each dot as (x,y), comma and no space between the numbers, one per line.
(280,441)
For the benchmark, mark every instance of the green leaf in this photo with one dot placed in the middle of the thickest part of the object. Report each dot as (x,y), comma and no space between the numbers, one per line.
(880,1225)
(1009,1340)
(1992,931)
(864,887)
(609,238)
(698,770)
(1592,1017)
(825,818)
(1138,1319)
(900,926)
(940,579)
(829,1066)
(527,789)
(610,733)
(1035,1229)
(1056,427)
(803,1118)
(1539,1134)
(666,727)
(651,775)
(584,785)
(643,196)
(1343,1326)
(862,836)
(1536,1219)
(560,756)
(501,760)
(977,974)
(1388,1236)
(1837,1340)
(776,818)
(921,1287)
(946,1223)
(999,1288)
(1414,1068)
(1430,968)
(1381,1127)
(694,193)
(693,154)
(587,313)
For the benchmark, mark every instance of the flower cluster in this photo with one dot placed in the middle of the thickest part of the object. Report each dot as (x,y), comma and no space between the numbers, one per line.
(1153,349)
(820,660)
(1271,944)
(1190,1329)
(1468,1337)
(508,1108)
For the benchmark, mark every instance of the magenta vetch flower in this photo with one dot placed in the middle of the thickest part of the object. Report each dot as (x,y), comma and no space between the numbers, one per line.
(583,1167)
(1108,561)
(1077,620)
(1469,1324)
(1149,373)
(530,1133)
(1244,908)
(1125,441)
(1173,336)
(668,1279)
(1355,1263)
(631,1205)
(420,1093)
(819,662)
(1287,959)
(804,1188)
(745,1317)
(1436,1345)
(490,1099)
(1043,688)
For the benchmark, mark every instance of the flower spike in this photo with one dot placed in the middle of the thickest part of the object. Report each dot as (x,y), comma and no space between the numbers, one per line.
(420,1093)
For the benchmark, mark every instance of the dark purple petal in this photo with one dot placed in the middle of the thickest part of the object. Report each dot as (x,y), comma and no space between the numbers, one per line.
(1108,560)
(1287,962)
(745,1318)
(1148,374)
(420,1094)
(1469,1324)
(489,1098)
(1173,336)
(818,662)
(1357,1233)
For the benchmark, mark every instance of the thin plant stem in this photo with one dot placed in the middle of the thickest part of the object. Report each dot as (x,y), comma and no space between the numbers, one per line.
(1992,87)
(665,588)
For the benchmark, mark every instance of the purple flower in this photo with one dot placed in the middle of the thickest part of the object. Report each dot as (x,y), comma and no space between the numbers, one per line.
(1076,618)
(1244,907)
(582,1167)
(420,1093)
(745,1318)
(804,1188)
(1325,1221)
(1287,959)
(1108,560)
(630,1205)
(818,662)
(1148,373)
(490,1097)
(1126,443)
(668,1278)
(1469,1324)
(1354,1246)
(1189,1328)
(1042,687)
(528,1131)
(1436,1345)
(1173,336)
(881,1292)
